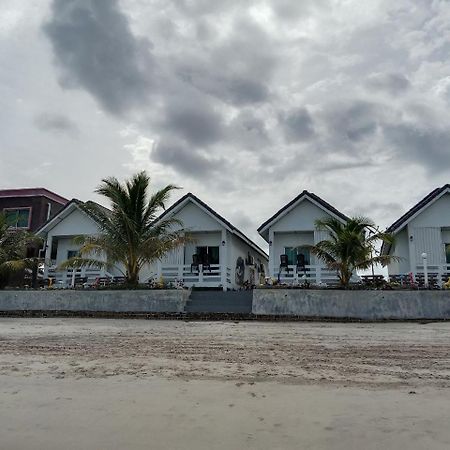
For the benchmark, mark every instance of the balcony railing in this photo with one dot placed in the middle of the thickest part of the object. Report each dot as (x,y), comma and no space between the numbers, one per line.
(313,274)
(193,276)
(69,277)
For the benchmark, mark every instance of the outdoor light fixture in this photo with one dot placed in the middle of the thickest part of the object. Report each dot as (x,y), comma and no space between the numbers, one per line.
(270,242)
(223,243)
(411,238)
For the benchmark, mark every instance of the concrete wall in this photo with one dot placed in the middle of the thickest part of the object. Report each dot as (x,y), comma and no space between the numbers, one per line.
(104,301)
(366,305)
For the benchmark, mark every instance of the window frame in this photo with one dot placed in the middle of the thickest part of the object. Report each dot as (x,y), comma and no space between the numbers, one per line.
(297,249)
(445,252)
(208,253)
(20,208)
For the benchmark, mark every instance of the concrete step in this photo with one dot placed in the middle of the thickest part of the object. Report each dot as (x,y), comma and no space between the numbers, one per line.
(220,302)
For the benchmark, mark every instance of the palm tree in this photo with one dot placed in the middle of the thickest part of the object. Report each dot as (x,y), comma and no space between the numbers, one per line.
(13,249)
(130,234)
(351,246)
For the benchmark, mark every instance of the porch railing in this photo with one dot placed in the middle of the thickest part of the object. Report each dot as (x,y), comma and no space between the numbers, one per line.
(440,272)
(66,278)
(313,274)
(201,276)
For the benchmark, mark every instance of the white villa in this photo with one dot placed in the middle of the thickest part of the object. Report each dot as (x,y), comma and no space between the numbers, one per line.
(219,255)
(291,232)
(425,228)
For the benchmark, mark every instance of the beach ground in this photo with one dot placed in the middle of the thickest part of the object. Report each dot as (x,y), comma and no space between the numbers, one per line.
(135,384)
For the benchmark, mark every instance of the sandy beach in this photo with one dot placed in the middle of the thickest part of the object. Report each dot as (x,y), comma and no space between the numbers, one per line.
(116,384)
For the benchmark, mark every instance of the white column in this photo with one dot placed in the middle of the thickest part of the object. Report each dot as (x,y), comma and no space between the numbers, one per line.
(158,270)
(318,273)
(271,253)
(223,259)
(412,251)
(48,253)
(425,269)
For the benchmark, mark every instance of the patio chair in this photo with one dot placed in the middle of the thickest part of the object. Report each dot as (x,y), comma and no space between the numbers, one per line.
(301,263)
(284,263)
(195,262)
(206,265)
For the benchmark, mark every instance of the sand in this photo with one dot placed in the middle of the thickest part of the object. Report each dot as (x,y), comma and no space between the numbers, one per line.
(135,384)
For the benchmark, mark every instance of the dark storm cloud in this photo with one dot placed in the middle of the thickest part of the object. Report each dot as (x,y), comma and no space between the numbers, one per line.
(392,83)
(185,159)
(249,132)
(352,120)
(429,147)
(196,122)
(93,44)
(297,125)
(56,123)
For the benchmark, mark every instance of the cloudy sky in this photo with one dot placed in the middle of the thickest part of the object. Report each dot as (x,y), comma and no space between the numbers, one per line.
(244,103)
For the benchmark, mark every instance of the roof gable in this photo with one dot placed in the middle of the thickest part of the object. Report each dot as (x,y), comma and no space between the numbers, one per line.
(74,204)
(418,208)
(189,197)
(305,195)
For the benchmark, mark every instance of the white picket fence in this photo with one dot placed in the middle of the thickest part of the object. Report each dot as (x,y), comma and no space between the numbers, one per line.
(67,278)
(313,274)
(199,277)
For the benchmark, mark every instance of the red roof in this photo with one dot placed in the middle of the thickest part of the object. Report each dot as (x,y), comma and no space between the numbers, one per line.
(33,192)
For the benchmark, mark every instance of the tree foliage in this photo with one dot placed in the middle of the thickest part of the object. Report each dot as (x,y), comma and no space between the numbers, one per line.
(352,246)
(13,249)
(130,235)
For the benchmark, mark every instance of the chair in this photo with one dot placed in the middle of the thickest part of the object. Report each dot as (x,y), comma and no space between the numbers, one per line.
(205,264)
(301,263)
(284,263)
(195,262)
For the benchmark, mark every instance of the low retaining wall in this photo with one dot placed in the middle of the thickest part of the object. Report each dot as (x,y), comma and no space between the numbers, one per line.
(364,305)
(270,303)
(145,301)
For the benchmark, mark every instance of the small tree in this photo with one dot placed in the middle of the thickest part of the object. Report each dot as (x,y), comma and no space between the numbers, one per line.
(13,250)
(130,235)
(351,246)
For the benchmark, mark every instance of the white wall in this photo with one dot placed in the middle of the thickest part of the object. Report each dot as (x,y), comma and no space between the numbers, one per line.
(75,224)
(64,245)
(300,218)
(427,235)
(401,249)
(239,248)
(436,215)
(195,219)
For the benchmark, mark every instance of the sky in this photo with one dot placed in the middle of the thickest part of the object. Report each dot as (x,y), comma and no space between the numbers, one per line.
(243,103)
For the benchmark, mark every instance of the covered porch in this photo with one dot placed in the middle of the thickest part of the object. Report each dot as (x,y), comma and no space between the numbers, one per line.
(61,248)
(201,263)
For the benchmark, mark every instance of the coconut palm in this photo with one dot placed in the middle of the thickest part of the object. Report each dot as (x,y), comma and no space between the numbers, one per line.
(351,246)
(13,249)
(130,234)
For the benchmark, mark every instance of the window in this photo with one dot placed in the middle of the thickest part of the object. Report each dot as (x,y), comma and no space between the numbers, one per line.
(292,253)
(72,254)
(447,253)
(208,254)
(18,217)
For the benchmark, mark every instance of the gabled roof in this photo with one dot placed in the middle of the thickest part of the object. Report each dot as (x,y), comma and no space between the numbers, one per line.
(33,192)
(70,206)
(418,208)
(400,223)
(189,197)
(293,203)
